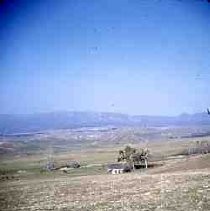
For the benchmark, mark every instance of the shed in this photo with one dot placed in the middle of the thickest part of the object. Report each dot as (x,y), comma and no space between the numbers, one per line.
(118,168)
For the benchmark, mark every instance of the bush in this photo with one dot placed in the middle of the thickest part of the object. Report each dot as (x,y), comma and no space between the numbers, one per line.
(73,164)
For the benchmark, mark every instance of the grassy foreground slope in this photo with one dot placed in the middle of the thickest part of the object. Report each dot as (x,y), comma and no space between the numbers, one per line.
(177,185)
(174,191)
(177,181)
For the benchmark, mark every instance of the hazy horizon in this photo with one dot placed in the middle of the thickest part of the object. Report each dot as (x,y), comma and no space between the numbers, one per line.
(91,111)
(131,57)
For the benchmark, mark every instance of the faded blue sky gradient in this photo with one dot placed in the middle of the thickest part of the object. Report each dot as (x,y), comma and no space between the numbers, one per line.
(130,56)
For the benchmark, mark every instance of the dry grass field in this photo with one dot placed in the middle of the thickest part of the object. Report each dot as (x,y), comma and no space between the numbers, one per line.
(176,181)
(145,190)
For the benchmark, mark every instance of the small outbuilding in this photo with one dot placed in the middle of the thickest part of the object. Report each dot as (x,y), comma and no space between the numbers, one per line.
(119,168)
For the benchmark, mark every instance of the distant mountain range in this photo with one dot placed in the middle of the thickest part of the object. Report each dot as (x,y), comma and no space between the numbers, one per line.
(26,123)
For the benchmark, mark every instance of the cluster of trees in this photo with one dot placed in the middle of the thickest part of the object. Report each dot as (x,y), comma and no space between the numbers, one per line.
(51,165)
(134,156)
(200,147)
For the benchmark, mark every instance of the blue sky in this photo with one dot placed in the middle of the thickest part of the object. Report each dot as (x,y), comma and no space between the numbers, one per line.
(128,56)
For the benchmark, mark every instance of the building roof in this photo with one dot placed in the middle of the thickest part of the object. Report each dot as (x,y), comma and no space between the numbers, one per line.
(119,166)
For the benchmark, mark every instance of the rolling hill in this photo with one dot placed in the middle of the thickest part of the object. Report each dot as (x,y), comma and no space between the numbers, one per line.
(27,123)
